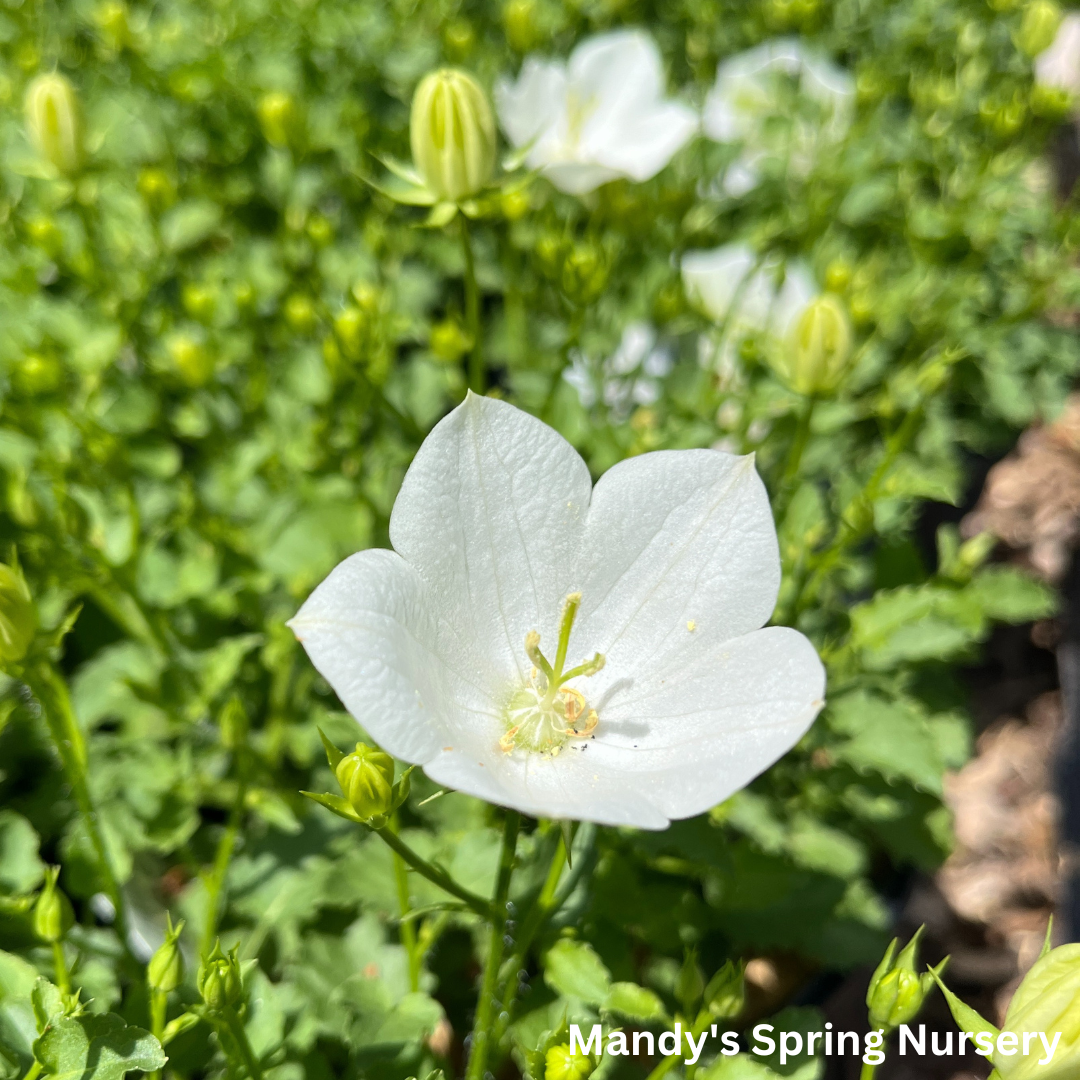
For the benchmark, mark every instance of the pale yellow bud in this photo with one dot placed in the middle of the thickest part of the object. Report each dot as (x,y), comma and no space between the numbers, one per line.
(817,351)
(52,121)
(452,130)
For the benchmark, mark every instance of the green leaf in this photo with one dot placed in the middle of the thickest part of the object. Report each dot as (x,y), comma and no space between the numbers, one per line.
(97,1048)
(967,1019)
(575,971)
(189,223)
(634,1002)
(21,871)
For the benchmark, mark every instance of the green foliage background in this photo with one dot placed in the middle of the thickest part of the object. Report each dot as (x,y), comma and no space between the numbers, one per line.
(216,364)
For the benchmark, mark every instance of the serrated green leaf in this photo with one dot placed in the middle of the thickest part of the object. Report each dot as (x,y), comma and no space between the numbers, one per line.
(96,1048)
(575,971)
(634,1002)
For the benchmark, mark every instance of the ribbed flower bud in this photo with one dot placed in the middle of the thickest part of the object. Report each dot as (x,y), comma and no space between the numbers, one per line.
(1038,27)
(366,777)
(819,347)
(220,982)
(897,990)
(561,1064)
(18,618)
(452,130)
(52,121)
(165,972)
(53,916)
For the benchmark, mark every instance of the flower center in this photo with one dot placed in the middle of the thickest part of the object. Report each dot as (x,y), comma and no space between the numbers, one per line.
(544,714)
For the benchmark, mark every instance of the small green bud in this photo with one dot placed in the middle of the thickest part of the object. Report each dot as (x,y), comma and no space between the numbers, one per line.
(689,983)
(897,990)
(165,972)
(52,121)
(53,916)
(725,995)
(366,777)
(449,341)
(452,131)
(519,19)
(1038,27)
(300,312)
(198,300)
(18,617)
(561,1064)
(819,347)
(192,361)
(277,117)
(459,37)
(584,273)
(349,326)
(220,981)
(156,187)
(233,724)
(1052,102)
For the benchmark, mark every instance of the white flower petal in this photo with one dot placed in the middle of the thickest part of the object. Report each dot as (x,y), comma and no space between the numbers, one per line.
(577,179)
(641,146)
(528,107)
(490,515)
(798,290)
(712,278)
(616,73)
(1059,65)
(369,632)
(673,537)
(702,726)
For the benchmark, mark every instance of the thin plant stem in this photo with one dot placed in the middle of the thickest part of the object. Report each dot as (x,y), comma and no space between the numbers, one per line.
(407,927)
(868,1071)
(49,688)
(790,475)
(215,881)
(247,1055)
(63,979)
(472,311)
(34,1071)
(672,1060)
(434,874)
(485,1009)
(159,1003)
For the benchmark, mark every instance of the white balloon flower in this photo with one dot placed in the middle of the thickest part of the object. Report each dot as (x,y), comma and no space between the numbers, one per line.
(1059,65)
(571,652)
(747,98)
(601,116)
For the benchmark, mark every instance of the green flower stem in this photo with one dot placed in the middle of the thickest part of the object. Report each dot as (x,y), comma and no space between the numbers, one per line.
(34,1071)
(63,980)
(434,874)
(247,1056)
(485,1009)
(215,880)
(49,688)
(407,927)
(159,1003)
(703,1022)
(867,1071)
(790,476)
(472,311)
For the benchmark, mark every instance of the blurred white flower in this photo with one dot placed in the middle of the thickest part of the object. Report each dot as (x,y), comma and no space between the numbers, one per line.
(1059,66)
(601,116)
(630,376)
(454,650)
(748,99)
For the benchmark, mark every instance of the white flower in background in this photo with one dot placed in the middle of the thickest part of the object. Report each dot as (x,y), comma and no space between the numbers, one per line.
(748,97)
(1059,66)
(601,116)
(630,376)
(746,294)
(591,654)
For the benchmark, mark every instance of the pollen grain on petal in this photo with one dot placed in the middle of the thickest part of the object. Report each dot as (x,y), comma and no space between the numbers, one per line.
(691,625)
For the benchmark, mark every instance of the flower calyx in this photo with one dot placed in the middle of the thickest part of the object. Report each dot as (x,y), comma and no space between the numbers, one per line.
(368,792)
(220,981)
(545,713)
(165,972)
(18,616)
(725,994)
(897,989)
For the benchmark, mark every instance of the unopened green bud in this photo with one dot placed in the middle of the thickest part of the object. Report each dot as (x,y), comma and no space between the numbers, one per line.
(53,916)
(1038,27)
(220,982)
(156,187)
(193,363)
(449,341)
(452,131)
(560,1063)
(277,117)
(1052,102)
(349,327)
(584,273)
(18,618)
(519,19)
(897,990)
(233,724)
(689,983)
(1047,1000)
(299,312)
(725,995)
(819,347)
(52,121)
(366,777)
(165,972)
